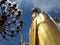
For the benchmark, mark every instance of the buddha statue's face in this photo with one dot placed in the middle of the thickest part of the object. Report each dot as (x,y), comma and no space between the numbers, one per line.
(34,15)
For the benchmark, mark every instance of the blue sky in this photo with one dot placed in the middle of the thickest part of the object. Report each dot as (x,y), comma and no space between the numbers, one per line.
(50,6)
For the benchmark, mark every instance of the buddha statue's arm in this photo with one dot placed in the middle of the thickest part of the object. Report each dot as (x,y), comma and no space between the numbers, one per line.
(32,33)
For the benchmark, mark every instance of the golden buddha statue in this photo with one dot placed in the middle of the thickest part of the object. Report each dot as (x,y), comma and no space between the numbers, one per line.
(43,30)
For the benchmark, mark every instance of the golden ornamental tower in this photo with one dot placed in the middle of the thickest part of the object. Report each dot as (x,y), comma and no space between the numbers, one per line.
(43,30)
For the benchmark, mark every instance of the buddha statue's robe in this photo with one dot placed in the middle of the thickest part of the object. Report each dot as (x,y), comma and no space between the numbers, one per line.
(44,31)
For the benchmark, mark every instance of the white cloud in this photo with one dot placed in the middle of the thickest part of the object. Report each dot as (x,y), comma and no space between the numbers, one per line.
(46,5)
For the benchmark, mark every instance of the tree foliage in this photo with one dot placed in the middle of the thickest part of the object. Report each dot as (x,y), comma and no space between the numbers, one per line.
(9,15)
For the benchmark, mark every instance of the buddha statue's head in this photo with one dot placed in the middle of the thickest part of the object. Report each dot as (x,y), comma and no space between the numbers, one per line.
(35,12)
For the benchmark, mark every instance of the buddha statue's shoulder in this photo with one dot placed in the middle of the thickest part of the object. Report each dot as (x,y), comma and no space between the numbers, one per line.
(37,19)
